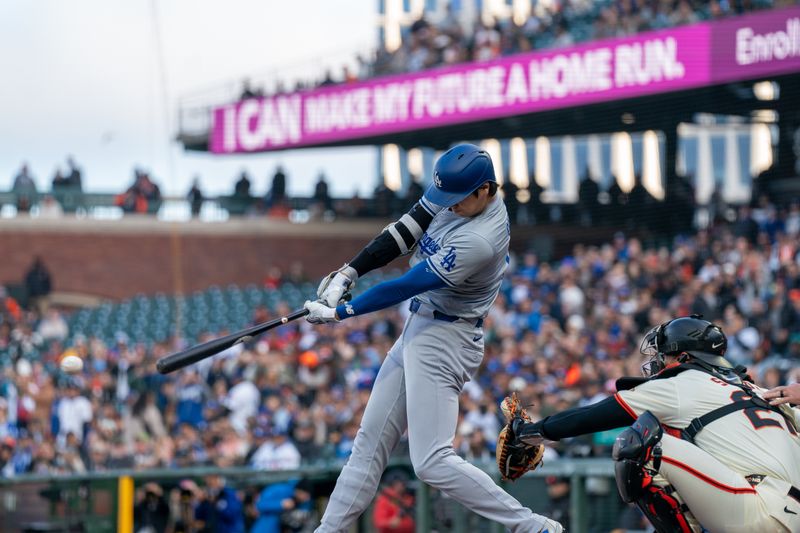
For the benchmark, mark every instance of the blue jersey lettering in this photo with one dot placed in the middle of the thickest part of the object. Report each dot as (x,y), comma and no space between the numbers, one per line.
(428,245)
(448,262)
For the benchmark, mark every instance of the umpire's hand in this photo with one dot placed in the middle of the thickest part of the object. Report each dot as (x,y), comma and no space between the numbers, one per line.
(784,394)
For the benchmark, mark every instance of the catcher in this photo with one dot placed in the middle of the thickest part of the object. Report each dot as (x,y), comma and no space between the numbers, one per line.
(705,451)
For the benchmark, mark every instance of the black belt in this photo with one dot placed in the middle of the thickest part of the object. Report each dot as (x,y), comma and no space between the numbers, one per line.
(415,304)
(794,492)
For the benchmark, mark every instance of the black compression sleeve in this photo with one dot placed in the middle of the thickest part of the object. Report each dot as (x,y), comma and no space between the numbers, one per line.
(384,248)
(604,415)
(379,252)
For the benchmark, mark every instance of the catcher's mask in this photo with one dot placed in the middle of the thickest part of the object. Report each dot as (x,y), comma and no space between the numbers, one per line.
(690,335)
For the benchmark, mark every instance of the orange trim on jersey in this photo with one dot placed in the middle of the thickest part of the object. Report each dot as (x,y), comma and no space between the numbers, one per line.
(667,367)
(669,430)
(625,406)
(710,481)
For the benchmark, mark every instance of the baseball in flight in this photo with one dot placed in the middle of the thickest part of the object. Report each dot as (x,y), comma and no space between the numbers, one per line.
(72,364)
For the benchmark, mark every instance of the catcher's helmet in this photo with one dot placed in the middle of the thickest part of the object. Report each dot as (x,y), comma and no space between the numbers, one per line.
(690,334)
(459,172)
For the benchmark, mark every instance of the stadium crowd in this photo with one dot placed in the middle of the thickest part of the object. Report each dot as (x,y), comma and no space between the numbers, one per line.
(560,333)
(429,43)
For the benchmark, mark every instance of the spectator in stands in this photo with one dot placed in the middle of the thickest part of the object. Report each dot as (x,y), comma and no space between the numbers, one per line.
(348,76)
(59,180)
(7,469)
(746,226)
(74,177)
(284,506)
(476,445)
(146,418)
(563,37)
(53,327)
(38,284)
(277,193)
(219,509)
(384,200)
(327,79)
(321,195)
(510,191)
(7,428)
(429,44)
(394,506)
(242,186)
(588,203)
(558,489)
(679,206)
(364,67)
(151,511)
(277,452)
(150,190)
(383,63)
(25,189)
(74,414)
(684,14)
(304,438)
(487,42)
(536,205)
(617,203)
(195,197)
(640,203)
(483,416)
(248,91)
(414,192)
(144,196)
(242,402)
(190,394)
(184,495)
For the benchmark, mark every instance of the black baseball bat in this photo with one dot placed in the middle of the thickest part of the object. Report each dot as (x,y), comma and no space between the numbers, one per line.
(179,360)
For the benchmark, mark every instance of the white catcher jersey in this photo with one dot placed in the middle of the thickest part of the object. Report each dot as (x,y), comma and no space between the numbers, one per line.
(470,255)
(749,441)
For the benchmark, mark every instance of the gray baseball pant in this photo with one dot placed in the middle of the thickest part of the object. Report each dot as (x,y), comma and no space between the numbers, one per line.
(417,388)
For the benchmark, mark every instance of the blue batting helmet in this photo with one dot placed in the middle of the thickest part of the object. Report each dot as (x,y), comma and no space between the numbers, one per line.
(459,171)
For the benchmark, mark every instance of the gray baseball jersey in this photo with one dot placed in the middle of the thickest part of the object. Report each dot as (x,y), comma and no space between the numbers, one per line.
(470,255)
(428,366)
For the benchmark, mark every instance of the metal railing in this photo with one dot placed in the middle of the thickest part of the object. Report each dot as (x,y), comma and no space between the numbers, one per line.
(177,208)
(91,502)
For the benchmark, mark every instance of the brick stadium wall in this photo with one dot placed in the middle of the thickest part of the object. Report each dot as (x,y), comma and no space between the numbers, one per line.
(116,260)
(120,258)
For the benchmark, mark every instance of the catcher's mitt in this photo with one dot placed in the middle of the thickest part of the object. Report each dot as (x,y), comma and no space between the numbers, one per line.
(514,458)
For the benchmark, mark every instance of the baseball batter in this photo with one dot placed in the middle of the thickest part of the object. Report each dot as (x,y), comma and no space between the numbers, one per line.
(456,270)
(705,451)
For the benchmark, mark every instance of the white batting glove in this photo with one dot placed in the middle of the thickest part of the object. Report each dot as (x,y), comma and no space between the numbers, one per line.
(549,525)
(319,313)
(335,285)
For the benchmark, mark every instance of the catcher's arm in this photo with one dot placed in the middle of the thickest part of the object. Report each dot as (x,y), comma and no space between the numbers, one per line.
(520,445)
(601,416)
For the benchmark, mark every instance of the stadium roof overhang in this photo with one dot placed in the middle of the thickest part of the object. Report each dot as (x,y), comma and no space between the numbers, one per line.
(654,80)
